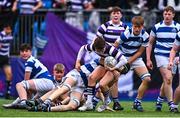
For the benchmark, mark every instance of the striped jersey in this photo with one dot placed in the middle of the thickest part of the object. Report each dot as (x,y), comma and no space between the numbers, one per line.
(26,6)
(165,36)
(37,69)
(177,41)
(5,3)
(77,5)
(87,69)
(110,32)
(109,51)
(129,43)
(5,43)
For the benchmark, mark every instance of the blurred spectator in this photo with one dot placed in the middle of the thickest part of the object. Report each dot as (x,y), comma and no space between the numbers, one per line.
(58,4)
(145,8)
(5,39)
(74,14)
(27,6)
(25,20)
(174,3)
(5,13)
(47,4)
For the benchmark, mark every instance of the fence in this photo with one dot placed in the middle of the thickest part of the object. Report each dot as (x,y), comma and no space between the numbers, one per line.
(25,26)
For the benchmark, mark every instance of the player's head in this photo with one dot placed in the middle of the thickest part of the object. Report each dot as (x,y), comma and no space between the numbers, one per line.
(58,71)
(168,14)
(116,15)
(137,24)
(7,28)
(99,45)
(25,51)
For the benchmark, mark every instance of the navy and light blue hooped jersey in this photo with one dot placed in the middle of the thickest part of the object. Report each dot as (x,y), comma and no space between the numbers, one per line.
(5,41)
(111,32)
(37,69)
(130,43)
(177,41)
(165,36)
(87,69)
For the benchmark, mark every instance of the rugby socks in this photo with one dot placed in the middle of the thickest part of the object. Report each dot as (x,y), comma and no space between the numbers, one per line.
(137,102)
(115,99)
(38,101)
(160,100)
(171,104)
(8,89)
(90,93)
(106,97)
(95,101)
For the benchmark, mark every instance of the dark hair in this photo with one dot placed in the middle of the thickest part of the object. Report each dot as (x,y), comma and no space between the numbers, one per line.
(138,20)
(169,8)
(116,9)
(24,47)
(99,43)
(6,25)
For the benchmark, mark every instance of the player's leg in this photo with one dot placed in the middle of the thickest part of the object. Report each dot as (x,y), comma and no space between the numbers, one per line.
(167,81)
(160,98)
(69,82)
(96,75)
(144,75)
(114,95)
(176,99)
(8,73)
(74,102)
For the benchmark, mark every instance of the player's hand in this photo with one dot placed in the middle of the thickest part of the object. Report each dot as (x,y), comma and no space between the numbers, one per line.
(149,64)
(170,65)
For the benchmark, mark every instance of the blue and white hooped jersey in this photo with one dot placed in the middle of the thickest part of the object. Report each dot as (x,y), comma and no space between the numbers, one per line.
(5,43)
(165,36)
(129,43)
(87,69)
(110,32)
(37,69)
(177,41)
(26,6)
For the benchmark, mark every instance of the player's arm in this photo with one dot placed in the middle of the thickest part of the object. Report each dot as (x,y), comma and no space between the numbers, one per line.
(14,7)
(136,55)
(172,55)
(27,75)
(81,52)
(39,4)
(148,52)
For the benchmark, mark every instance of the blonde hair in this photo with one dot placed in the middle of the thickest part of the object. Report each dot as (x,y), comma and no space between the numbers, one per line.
(59,67)
(138,20)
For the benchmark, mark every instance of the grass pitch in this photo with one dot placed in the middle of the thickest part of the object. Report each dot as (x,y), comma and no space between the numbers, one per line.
(127,112)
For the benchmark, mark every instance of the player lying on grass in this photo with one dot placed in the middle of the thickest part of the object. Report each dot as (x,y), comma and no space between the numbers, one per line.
(75,83)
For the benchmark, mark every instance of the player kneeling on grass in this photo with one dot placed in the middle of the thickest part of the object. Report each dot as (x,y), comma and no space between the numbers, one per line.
(36,79)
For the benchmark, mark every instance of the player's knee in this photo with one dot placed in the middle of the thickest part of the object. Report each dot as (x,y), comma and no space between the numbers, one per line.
(102,86)
(146,77)
(23,84)
(67,86)
(92,78)
(169,81)
(75,102)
